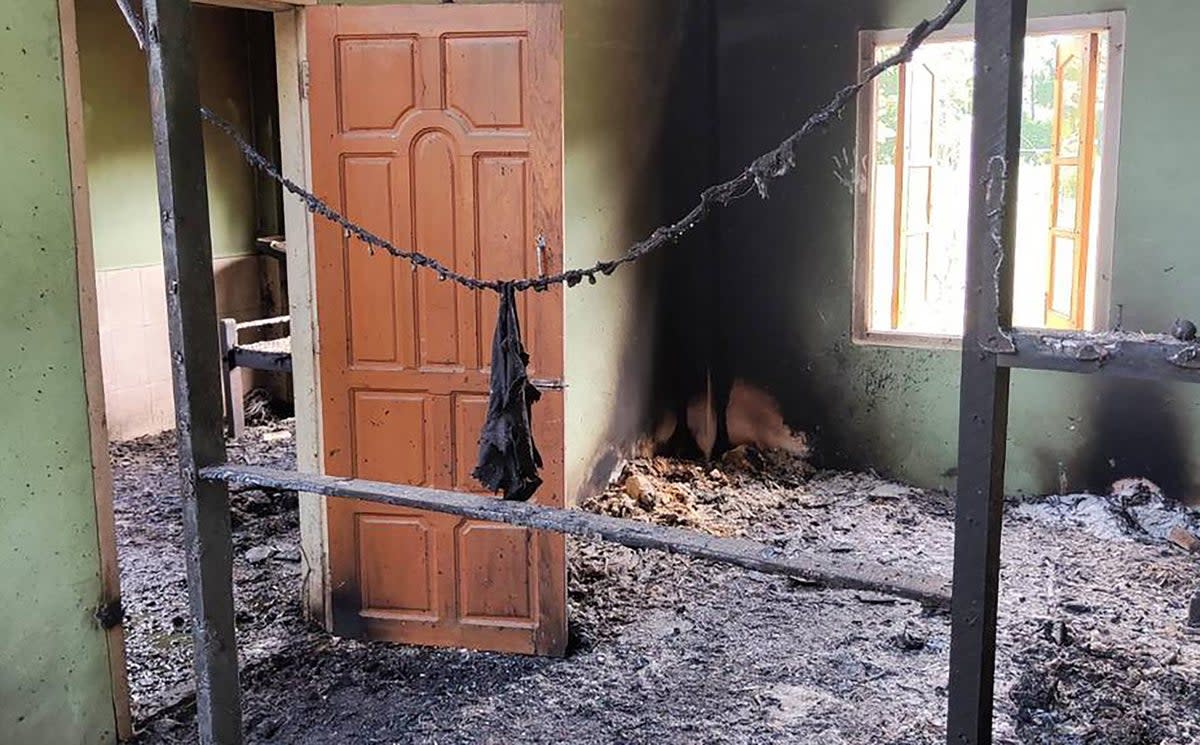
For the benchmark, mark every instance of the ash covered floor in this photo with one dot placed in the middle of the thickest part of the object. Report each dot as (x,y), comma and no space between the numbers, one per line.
(669,650)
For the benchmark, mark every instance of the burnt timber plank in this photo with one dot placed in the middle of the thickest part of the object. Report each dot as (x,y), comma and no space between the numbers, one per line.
(192,324)
(1116,354)
(1000,27)
(828,572)
(255,359)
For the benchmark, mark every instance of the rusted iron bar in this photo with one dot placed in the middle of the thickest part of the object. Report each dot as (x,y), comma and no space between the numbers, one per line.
(1000,27)
(1118,354)
(759,557)
(192,324)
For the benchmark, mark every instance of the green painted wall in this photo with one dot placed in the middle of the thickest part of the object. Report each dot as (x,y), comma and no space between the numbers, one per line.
(54,679)
(896,410)
(120,145)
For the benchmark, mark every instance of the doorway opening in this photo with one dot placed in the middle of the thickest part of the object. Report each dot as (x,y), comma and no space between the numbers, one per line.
(238,80)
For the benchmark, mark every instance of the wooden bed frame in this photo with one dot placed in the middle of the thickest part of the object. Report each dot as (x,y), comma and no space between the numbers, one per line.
(272,355)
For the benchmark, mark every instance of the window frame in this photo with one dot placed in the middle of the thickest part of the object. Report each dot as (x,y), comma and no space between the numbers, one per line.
(1099,270)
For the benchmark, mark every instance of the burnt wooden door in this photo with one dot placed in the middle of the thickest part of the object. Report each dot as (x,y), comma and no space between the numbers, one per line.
(439,128)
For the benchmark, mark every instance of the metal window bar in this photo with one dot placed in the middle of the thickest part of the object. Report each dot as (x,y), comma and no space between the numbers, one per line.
(1000,27)
(990,350)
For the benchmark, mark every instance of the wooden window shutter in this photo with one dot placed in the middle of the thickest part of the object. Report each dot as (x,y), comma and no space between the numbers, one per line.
(1072,163)
(914,189)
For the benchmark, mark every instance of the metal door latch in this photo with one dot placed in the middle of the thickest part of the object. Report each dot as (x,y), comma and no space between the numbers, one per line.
(541,255)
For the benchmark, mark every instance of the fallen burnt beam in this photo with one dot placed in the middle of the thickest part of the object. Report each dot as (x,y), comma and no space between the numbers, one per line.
(832,573)
(271,357)
(1121,354)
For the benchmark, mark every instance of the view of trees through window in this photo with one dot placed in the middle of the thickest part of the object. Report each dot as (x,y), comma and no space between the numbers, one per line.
(920,185)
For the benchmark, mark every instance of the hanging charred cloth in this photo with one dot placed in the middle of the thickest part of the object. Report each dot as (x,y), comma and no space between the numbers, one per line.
(508,458)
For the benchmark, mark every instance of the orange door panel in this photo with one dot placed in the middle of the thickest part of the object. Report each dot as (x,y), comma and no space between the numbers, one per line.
(440,129)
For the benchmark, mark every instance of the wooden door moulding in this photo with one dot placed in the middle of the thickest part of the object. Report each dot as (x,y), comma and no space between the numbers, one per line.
(290,50)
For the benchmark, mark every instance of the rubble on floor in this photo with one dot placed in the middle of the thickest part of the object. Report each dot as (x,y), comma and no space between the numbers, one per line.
(1092,647)
(1073,691)
(1134,509)
(266,535)
(713,497)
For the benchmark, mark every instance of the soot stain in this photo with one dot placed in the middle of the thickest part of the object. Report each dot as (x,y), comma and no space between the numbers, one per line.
(1138,430)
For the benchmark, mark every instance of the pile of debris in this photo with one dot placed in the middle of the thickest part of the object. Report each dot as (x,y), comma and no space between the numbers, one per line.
(715,497)
(1090,691)
(668,649)
(1134,510)
(267,560)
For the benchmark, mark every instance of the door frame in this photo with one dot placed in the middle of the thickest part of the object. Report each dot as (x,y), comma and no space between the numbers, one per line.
(296,162)
(89,331)
(288,26)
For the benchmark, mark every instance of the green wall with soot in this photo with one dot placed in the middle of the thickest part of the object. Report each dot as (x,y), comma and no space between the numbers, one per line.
(638,141)
(896,410)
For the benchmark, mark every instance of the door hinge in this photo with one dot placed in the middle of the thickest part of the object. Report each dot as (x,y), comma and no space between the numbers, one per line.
(303,80)
(549,385)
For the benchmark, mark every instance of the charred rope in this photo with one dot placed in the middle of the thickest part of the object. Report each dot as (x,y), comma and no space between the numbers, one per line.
(756,177)
(135,23)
